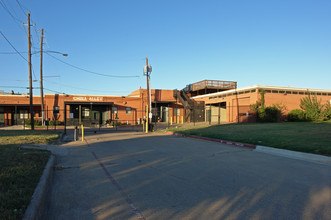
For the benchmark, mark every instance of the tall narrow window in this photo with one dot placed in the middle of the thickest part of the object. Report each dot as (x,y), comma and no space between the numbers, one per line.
(128,110)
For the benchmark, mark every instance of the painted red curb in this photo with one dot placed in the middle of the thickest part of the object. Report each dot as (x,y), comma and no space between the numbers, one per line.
(238,144)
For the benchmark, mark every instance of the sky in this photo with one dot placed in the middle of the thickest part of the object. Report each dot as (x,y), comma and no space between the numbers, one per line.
(257,42)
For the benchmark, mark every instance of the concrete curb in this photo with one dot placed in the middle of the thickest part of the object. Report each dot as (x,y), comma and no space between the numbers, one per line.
(294,154)
(269,150)
(38,201)
(214,140)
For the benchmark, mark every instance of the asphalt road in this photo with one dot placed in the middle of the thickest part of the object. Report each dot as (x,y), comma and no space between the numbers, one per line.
(130,175)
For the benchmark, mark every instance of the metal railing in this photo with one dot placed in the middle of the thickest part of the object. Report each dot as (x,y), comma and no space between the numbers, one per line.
(214,84)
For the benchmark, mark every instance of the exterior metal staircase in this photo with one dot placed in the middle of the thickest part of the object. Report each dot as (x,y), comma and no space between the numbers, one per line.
(190,106)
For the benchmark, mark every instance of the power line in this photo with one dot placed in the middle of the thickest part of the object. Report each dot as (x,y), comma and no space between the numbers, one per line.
(88,71)
(54,91)
(13,46)
(16,20)
(22,7)
(8,11)
(92,90)
(21,87)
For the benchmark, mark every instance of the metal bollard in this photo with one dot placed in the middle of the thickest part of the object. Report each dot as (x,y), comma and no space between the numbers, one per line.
(82,132)
(75,133)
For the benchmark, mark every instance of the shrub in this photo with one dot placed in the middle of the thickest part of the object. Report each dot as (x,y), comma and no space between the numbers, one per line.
(54,122)
(327,111)
(297,115)
(37,122)
(269,114)
(27,121)
(116,123)
(314,108)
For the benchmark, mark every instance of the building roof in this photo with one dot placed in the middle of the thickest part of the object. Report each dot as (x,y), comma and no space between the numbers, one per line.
(262,87)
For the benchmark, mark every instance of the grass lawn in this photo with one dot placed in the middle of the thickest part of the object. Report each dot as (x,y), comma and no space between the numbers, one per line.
(298,136)
(20,169)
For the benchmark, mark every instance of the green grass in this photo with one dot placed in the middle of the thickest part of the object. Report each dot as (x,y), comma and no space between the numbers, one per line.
(20,169)
(306,137)
(27,137)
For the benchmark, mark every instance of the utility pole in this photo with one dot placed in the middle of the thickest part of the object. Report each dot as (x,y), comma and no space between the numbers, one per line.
(30,75)
(41,78)
(147,72)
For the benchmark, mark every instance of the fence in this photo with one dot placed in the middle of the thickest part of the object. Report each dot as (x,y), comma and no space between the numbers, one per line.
(122,119)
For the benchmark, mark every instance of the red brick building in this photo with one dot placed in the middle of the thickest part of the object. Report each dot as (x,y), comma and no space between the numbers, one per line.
(207,100)
(93,108)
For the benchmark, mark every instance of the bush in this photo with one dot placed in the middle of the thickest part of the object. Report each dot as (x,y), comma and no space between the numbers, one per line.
(37,122)
(54,122)
(27,121)
(327,111)
(268,114)
(297,115)
(115,123)
(314,109)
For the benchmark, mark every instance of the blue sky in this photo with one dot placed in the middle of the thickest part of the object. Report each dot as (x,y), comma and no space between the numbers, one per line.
(257,42)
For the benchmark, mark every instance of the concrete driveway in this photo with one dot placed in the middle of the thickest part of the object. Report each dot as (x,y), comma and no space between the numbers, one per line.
(130,175)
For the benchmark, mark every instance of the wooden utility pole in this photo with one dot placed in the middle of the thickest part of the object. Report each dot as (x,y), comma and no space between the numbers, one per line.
(41,78)
(148,107)
(147,72)
(30,75)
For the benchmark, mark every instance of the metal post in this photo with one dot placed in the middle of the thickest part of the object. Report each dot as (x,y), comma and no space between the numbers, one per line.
(75,133)
(193,117)
(82,132)
(80,118)
(147,119)
(65,119)
(210,114)
(219,113)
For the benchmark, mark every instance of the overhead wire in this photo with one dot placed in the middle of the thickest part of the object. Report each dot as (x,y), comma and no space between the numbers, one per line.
(22,7)
(13,46)
(15,19)
(88,71)
(18,53)
(53,91)
(92,90)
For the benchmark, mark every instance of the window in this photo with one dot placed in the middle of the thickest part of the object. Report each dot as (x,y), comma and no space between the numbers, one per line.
(114,110)
(24,114)
(56,110)
(128,110)
(177,113)
(294,92)
(274,91)
(86,112)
